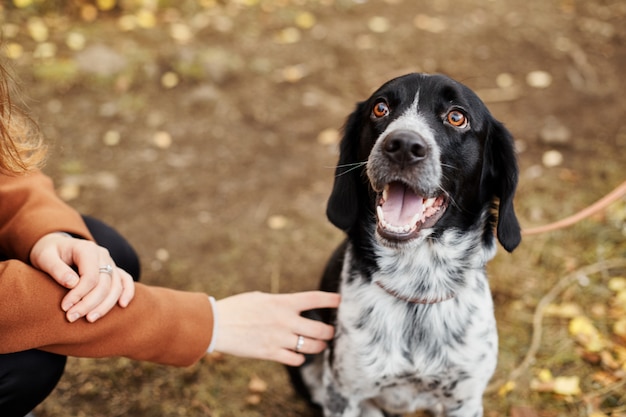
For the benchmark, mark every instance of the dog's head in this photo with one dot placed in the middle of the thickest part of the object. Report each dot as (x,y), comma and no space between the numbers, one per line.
(423,152)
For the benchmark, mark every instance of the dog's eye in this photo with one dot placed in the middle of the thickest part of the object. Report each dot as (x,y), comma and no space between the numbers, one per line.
(457,119)
(381,109)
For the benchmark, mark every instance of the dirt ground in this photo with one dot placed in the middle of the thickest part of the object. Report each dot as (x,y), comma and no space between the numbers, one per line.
(206,132)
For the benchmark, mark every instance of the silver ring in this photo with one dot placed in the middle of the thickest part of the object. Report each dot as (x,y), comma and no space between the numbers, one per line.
(299,343)
(106,269)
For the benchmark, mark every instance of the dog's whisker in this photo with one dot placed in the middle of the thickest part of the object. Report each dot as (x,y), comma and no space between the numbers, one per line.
(352,167)
(449,166)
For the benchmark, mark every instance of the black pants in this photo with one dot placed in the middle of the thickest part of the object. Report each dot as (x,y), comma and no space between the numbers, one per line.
(27,378)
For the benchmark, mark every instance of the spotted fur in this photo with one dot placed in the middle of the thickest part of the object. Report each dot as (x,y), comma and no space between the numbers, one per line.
(415,329)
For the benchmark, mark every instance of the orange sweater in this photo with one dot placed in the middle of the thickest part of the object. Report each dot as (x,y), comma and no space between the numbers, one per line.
(160,325)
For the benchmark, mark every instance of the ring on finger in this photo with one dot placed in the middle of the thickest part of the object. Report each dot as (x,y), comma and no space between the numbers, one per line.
(299,343)
(106,269)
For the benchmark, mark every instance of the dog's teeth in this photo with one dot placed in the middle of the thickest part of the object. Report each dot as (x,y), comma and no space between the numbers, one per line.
(385,192)
(417,218)
(381,214)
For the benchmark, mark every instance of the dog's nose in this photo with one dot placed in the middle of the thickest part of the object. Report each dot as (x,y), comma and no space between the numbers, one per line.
(405,147)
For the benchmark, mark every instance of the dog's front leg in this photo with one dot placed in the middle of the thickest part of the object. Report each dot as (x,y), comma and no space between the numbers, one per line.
(339,403)
(472,407)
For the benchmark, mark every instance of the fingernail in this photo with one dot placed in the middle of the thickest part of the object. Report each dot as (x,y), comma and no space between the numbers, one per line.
(71,280)
(93,317)
(73,317)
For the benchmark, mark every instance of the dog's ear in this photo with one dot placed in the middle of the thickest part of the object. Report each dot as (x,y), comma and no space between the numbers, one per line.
(343,203)
(500,176)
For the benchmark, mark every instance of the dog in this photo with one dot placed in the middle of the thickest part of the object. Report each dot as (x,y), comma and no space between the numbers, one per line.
(424,184)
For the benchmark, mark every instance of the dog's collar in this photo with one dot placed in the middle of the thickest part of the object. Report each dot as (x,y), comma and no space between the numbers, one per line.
(411,299)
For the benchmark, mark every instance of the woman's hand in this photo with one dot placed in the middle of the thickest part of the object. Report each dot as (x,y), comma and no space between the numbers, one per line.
(93,292)
(267,326)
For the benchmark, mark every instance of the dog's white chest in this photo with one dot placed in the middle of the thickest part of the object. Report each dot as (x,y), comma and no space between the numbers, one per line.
(406,356)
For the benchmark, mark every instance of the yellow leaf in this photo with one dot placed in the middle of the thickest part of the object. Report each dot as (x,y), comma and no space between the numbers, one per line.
(146,19)
(545,375)
(586,334)
(619,328)
(305,20)
(567,385)
(105,4)
(506,388)
(565,310)
(37,29)
(617,284)
(21,4)
(620,298)
(14,50)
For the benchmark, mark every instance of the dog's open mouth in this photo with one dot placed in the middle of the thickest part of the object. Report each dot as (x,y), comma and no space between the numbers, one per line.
(402,213)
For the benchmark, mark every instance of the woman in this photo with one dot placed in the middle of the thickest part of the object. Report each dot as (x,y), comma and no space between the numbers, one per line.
(66,288)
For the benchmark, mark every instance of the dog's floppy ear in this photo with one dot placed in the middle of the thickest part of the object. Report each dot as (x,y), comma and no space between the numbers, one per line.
(343,203)
(500,175)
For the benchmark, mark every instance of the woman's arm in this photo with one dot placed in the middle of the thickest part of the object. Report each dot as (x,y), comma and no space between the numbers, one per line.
(160,325)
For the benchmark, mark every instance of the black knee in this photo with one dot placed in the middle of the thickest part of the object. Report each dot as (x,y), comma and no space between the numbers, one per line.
(121,251)
(26,379)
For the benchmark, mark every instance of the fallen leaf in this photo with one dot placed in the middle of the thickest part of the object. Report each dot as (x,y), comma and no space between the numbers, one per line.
(617,284)
(105,5)
(257,385)
(305,20)
(567,385)
(523,412)
(507,387)
(545,375)
(565,310)
(253,399)
(585,333)
(619,328)
(37,29)
(21,4)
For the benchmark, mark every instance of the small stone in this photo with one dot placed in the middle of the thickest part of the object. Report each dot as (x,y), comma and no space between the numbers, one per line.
(288,36)
(429,23)
(277,222)
(552,159)
(539,79)
(170,80)
(112,138)
(162,140)
(294,73)
(328,137)
(505,80)
(379,24)
(162,255)
(554,132)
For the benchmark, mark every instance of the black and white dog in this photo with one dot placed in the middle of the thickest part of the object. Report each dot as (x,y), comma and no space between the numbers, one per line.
(425,172)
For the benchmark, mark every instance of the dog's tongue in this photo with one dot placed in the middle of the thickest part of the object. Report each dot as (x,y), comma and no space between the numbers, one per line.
(401,205)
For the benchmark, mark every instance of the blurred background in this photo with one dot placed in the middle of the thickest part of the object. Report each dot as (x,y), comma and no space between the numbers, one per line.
(206,131)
